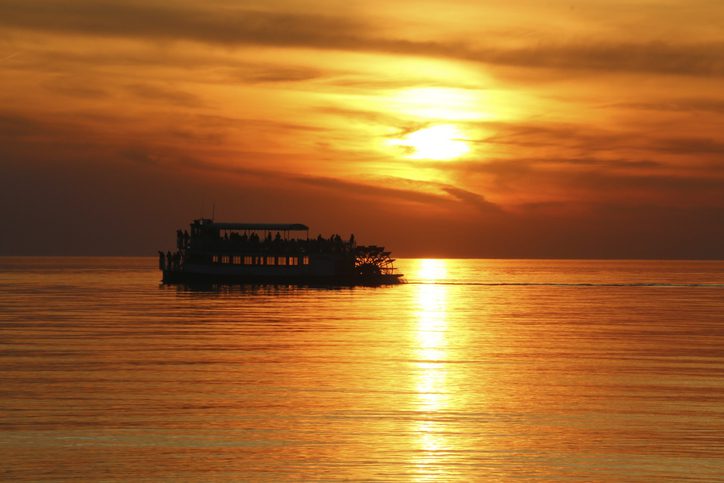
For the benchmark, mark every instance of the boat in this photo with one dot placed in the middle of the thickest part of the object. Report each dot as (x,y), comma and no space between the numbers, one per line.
(277,253)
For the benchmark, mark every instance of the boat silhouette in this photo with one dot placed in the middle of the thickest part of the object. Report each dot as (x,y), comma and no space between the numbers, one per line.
(280,253)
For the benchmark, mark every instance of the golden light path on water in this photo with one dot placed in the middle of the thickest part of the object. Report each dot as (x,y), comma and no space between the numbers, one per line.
(433,393)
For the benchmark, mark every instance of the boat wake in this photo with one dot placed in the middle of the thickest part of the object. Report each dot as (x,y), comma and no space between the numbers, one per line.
(573,284)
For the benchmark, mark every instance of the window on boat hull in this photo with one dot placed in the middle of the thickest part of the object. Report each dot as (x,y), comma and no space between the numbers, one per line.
(261,260)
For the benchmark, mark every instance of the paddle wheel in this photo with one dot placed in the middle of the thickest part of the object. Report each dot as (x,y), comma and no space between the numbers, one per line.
(372,261)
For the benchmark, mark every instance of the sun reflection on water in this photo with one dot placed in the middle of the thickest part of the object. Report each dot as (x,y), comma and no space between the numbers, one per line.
(431,270)
(431,355)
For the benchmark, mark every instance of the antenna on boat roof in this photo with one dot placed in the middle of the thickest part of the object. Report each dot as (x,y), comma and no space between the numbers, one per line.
(213,211)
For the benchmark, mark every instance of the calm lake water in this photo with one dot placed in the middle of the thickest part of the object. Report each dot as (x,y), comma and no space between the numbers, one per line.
(475,370)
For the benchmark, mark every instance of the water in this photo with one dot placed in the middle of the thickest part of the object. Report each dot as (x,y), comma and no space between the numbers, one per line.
(475,370)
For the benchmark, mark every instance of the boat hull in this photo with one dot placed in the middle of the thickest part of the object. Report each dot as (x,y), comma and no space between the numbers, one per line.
(309,279)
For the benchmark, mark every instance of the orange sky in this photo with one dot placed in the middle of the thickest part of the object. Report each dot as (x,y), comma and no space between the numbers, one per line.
(438,128)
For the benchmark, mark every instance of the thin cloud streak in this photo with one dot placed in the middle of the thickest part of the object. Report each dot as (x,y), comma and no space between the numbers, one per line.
(250,27)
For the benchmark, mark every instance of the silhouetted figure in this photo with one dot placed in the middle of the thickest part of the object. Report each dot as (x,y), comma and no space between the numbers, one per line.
(161,261)
(186,239)
(169,260)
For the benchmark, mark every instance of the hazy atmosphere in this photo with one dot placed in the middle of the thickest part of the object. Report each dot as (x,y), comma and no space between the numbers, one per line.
(456,129)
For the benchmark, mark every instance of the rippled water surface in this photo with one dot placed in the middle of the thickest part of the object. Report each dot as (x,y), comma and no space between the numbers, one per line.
(475,370)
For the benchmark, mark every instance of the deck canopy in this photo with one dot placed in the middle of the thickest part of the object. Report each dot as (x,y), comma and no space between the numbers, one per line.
(260,226)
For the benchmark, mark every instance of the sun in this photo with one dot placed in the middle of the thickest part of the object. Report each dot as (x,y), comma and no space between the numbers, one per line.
(440,142)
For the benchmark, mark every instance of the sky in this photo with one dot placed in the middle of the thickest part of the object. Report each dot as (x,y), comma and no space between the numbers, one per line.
(456,128)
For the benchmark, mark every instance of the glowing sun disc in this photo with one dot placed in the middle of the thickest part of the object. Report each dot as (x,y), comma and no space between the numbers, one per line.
(440,142)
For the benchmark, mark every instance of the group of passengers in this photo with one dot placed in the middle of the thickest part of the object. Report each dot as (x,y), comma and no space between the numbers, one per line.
(277,244)
(182,239)
(169,261)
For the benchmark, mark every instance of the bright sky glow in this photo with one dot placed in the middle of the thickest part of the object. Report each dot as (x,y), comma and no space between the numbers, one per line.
(441,104)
